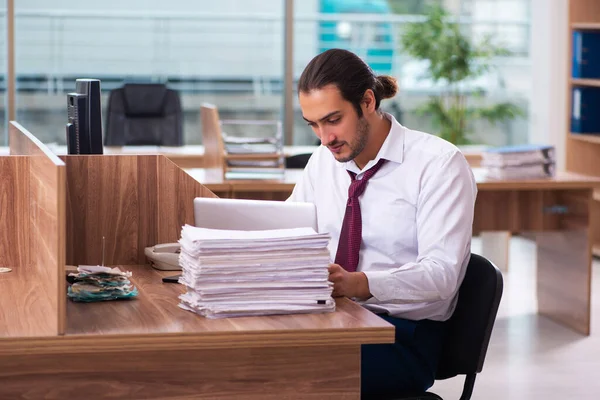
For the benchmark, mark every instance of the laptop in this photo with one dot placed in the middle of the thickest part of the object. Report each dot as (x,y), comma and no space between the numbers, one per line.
(249,215)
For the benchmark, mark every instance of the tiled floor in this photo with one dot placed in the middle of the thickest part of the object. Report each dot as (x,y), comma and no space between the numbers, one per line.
(531,357)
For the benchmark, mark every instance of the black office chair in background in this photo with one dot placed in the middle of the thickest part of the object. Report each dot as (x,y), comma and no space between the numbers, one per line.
(470,327)
(297,161)
(144,114)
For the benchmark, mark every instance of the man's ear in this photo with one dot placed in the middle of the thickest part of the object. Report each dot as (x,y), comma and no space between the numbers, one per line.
(368,102)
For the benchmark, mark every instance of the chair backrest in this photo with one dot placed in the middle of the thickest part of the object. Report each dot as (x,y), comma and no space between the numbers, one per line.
(144,114)
(297,161)
(470,327)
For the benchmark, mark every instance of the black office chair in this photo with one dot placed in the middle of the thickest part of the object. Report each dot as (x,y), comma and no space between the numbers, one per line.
(297,161)
(144,114)
(470,327)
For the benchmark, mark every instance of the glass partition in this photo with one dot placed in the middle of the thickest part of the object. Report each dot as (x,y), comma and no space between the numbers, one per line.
(228,53)
(372,29)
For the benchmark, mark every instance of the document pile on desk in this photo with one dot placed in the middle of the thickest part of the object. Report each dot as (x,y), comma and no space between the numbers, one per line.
(242,273)
(99,283)
(519,162)
(254,157)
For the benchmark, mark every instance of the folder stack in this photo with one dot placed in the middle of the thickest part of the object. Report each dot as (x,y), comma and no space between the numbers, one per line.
(519,162)
(244,273)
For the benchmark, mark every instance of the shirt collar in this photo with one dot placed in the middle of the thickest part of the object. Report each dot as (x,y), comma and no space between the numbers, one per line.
(392,148)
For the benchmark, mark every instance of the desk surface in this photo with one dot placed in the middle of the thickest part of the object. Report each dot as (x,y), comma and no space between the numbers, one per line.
(155,312)
(193,149)
(213,180)
(170,151)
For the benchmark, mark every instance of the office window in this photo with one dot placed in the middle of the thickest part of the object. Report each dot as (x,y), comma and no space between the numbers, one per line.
(365,27)
(372,29)
(509,21)
(228,52)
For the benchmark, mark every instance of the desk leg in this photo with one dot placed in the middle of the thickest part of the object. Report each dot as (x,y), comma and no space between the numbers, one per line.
(495,247)
(564,278)
(257,373)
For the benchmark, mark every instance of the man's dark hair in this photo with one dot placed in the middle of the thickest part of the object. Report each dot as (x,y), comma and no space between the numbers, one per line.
(350,74)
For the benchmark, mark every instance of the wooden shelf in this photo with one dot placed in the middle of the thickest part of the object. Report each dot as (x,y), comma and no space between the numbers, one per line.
(585,82)
(252,156)
(585,25)
(586,137)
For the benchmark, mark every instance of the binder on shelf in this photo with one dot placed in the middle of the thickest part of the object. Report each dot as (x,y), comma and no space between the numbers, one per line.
(530,161)
(585,103)
(515,155)
(586,54)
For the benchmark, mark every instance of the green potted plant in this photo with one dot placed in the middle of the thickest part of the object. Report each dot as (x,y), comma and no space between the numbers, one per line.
(453,61)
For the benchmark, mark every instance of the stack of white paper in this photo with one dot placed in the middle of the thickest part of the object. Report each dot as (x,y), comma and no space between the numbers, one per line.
(242,273)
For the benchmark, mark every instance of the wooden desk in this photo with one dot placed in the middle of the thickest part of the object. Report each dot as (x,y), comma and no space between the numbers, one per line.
(146,348)
(150,348)
(188,156)
(557,212)
(213,180)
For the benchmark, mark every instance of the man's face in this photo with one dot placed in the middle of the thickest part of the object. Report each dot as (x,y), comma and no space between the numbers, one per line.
(335,122)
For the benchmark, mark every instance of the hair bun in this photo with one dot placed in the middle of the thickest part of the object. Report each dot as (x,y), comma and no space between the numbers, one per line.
(386,86)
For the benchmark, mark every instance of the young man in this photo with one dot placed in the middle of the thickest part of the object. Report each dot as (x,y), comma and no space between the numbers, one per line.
(398,204)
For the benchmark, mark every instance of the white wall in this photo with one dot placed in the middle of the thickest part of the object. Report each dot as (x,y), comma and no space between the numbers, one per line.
(549,58)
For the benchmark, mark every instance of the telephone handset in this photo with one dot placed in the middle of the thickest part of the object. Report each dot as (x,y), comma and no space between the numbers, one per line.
(164,256)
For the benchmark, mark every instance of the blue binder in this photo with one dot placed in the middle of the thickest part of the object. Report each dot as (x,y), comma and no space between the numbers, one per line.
(586,54)
(585,109)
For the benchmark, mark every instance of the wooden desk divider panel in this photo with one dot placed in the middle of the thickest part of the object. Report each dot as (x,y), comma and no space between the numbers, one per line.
(564,272)
(32,192)
(14,214)
(560,222)
(133,201)
(531,210)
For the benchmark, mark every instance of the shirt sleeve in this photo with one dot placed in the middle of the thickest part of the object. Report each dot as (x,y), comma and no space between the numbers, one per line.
(304,189)
(444,221)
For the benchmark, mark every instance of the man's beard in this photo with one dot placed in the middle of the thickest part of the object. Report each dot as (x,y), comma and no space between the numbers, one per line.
(359,142)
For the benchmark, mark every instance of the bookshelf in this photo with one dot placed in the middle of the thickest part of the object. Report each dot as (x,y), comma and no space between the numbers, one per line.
(583,149)
(586,137)
(586,26)
(585,82)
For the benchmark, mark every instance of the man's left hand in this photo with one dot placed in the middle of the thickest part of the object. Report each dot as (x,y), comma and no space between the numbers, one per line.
(348,284)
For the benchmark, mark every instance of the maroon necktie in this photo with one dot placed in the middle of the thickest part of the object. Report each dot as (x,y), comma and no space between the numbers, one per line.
(351,235)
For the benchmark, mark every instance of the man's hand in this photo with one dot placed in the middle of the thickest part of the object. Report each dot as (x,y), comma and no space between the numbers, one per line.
(348,284)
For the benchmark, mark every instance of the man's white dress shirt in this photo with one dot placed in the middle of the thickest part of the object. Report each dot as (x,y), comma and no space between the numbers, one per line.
(417,217)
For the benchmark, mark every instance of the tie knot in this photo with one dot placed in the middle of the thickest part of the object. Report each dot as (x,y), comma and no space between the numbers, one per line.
(357,186)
